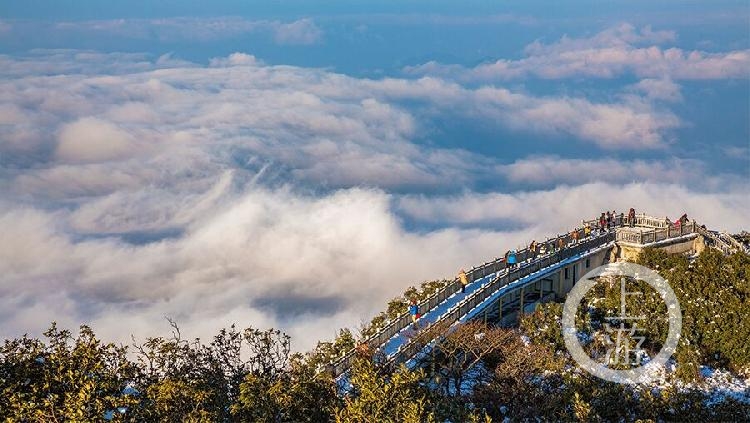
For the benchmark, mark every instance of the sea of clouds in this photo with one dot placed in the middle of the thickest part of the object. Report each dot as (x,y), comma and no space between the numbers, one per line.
(134,188)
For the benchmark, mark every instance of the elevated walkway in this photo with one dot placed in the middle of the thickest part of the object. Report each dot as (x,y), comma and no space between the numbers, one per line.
(500,294)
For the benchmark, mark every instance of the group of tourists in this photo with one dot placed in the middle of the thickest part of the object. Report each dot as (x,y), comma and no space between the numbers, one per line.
(609,220)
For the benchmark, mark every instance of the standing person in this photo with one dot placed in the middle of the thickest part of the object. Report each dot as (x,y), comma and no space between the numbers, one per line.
(614,219)
(622,219)
(608,219)
(574,235)
(679,223)
(532,249)
(631,217)
(560,243)
(463,279)
(414,311)
(602,222)
(511,259)
(587,231)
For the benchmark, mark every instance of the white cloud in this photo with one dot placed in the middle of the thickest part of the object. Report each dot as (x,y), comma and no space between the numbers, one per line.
(314,126)
(608,54)
(236,59)
(546,212)
(632,124)
(93,140)
(60,63)
(559,170)
(344,252)
(659,89)
(302,32)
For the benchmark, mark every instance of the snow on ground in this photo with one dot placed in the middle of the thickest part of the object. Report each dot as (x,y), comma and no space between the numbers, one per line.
(719,384)
(716,384)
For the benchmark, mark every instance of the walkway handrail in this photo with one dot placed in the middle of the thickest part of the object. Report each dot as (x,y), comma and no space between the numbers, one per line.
(719,243)
(656,234)
(477,297)
(404,319)
(621,219)
(732,241)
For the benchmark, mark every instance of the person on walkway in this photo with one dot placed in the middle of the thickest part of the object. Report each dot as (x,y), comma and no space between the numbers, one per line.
(574,235)
(614,219)
(631,217)
(414,311)
(511,259)
(532,249)
(609,219)
(587,231)
(679,223)
(463,279)
(602,222)
(622,219)
(560,243)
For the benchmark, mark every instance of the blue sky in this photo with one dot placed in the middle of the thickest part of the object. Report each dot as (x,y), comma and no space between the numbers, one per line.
(295,164)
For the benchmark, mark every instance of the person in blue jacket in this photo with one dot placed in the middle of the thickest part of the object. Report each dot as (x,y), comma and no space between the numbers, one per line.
(414,311)
(512,259)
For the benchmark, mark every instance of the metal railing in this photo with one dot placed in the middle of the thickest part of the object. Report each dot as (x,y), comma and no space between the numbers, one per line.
(720,241)
(657,234)
(477,297)
(641,220)
(731,241)
(552,247)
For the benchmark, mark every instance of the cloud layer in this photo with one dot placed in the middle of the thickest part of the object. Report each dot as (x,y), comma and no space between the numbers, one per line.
(133,188)
(609,54)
